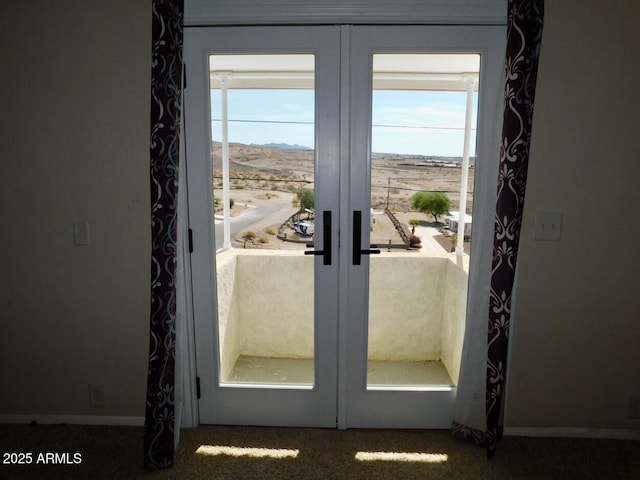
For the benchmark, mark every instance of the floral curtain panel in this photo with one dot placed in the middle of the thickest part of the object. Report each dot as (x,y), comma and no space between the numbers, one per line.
(166,104)
(524,36)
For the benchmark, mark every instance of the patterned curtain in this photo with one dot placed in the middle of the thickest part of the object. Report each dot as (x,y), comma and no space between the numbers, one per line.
(166,103)
(524,36)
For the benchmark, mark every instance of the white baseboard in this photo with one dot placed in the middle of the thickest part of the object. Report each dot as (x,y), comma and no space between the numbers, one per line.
(558,432)
(574,432)
(74,420)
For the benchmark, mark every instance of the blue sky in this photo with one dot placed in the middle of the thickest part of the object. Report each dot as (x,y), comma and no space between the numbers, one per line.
(406,122)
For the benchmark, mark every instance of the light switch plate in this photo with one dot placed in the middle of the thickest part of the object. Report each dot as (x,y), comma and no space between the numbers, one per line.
(548,226)
(81,233)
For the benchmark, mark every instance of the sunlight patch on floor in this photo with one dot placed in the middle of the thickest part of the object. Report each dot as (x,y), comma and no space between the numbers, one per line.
(214,450)
(402,457)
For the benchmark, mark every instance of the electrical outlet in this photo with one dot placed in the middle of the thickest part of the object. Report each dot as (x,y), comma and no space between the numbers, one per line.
(96,396)
(548,226)
(633,413)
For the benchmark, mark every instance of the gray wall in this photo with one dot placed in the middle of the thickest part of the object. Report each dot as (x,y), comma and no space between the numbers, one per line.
(575,352)
(74,110)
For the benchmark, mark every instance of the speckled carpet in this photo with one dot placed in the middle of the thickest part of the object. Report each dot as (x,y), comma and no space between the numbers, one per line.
(215,452)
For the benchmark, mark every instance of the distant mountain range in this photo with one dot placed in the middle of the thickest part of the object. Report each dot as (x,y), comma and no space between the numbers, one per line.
(285,146)
(412,159)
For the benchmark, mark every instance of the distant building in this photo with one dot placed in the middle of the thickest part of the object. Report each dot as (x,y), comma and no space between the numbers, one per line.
(452,222)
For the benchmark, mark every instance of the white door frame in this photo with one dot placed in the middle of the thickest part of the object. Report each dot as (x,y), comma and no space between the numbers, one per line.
(343,12)
(388,407)
(258,12)
(350,162)
(268,405)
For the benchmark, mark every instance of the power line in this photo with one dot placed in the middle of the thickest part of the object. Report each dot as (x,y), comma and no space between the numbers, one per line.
(283,122)
(423,127)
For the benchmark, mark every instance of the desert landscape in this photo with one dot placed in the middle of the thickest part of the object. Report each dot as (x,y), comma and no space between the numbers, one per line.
(267,178)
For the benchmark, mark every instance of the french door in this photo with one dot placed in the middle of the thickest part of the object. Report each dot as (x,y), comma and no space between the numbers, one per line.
(290,132)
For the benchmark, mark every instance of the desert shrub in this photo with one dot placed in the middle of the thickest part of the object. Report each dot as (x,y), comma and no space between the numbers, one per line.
(414,240)
(217,201)
(264,240)
(454,238)
(431,203)
(305,198)
(270,231)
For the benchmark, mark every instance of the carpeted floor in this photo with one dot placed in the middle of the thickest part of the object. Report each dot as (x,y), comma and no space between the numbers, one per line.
(214,452)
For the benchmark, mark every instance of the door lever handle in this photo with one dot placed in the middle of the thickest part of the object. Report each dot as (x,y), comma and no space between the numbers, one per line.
(357,240)
(326,240)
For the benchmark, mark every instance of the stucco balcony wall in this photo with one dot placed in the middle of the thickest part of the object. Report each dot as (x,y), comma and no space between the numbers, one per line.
(417,307)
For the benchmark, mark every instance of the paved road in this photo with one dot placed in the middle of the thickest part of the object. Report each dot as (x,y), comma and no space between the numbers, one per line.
(247,218)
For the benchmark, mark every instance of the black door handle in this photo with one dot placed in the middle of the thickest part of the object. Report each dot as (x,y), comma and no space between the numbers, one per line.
(357,239)
(326,240)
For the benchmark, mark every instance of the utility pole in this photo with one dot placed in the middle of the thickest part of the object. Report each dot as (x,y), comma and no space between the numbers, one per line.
(388,190)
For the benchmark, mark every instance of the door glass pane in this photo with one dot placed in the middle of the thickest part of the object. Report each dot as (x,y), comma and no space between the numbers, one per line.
(263,129)
(418,284)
